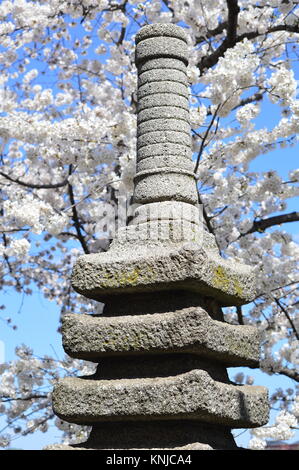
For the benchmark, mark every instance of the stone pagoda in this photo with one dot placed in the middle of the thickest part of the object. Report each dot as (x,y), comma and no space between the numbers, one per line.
(162,345)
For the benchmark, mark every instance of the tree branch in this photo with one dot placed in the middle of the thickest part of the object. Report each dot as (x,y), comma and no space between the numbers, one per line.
(232,21)
(232,38)
(205,216)
(212,32)
(30,397)
(278,288)
(33,185)
(166,3)
(121,36)
(10,269)
(240,315)
(75,217)
(284,310)
(251,99)
(275,29)
(203,142)
(292,374)
(263,224)
(207,219)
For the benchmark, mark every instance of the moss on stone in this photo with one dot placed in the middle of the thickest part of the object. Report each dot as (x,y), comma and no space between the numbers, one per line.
(238,288)
(223,282)
(220,280)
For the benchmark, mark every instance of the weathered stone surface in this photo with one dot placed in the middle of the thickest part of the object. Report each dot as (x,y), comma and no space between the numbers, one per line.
(163,99)
(168,161)
(160,112)
(161,302)
(144,366)
(167,210)
(163,87)
(163,184)
(161,29)
(156,47)
(162,74)
(158,137)
(191,267)
(161,63)
(173,124)
(188,330)
(180,435)
(159,232)
(164,149)
(193,395)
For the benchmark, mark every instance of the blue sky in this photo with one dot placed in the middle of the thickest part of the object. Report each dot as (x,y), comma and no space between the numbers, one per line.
(37,319)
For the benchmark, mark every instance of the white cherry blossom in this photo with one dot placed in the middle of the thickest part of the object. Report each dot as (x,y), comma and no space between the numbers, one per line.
(67,151)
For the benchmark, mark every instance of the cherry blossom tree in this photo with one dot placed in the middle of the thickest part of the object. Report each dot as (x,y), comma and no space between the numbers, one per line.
(68,136)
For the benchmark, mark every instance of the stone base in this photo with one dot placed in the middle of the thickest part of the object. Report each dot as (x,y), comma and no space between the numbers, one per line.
(177,435)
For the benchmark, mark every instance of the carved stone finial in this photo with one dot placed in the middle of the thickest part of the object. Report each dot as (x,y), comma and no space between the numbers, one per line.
(164,156)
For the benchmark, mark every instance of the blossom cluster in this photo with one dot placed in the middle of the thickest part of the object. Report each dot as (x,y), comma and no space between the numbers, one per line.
(68,145)
(282,429)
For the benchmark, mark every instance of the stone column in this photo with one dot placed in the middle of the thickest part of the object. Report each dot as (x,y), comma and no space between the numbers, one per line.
(162,344)
(164,165)
(164,183)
